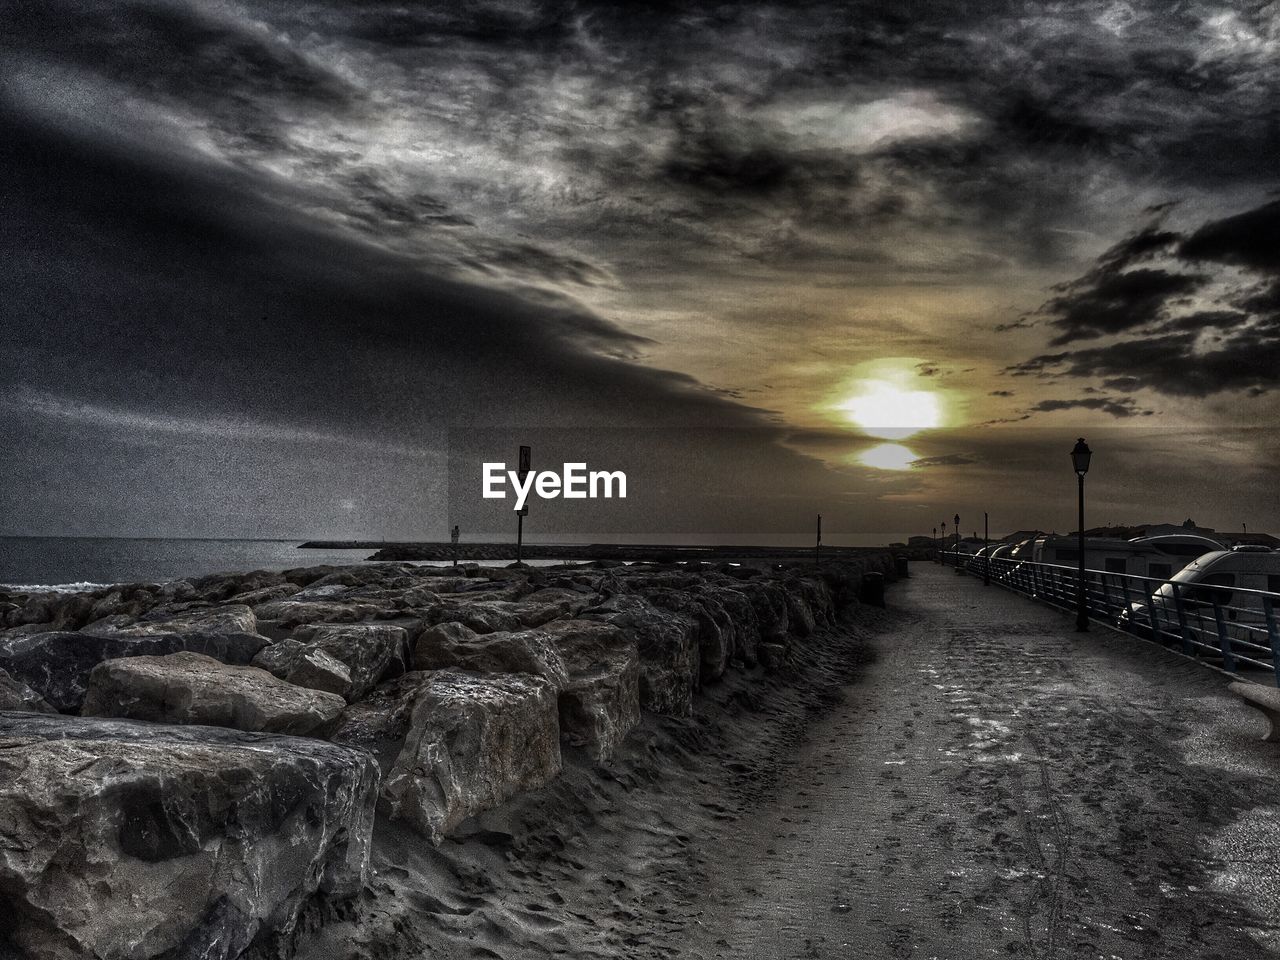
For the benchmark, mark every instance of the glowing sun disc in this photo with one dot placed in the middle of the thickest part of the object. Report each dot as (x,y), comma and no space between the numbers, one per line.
(884,410)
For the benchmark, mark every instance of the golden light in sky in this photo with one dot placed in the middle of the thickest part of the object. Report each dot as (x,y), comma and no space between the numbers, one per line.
(883,409)
(888,456)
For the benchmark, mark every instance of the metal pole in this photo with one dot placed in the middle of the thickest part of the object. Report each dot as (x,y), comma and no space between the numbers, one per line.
(1082,607)
(986,550)
(817,546)
(519,535)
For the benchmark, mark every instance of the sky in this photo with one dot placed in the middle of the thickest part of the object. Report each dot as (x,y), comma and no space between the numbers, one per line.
(293,269)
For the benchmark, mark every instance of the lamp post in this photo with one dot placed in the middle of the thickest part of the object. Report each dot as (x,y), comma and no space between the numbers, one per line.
(957,519)
(986,550)
(1080,456)
(942,545)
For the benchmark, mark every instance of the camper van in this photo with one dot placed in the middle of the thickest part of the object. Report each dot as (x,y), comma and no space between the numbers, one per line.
(1157,557)
(1237,582)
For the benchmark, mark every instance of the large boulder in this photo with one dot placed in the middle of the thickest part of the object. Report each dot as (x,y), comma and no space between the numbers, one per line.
(130,840)
(769,601)
(717,631)
(667,642)
(291,613)
(16,695)
(379,723)
(600,703)
(232,618)
(473,742)
(305,665)
(373,652)
(57,665)
(193,688)
(525,651)
(496,616)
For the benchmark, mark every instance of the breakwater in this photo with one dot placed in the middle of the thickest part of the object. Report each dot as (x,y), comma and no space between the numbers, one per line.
(212,761)
(442,552)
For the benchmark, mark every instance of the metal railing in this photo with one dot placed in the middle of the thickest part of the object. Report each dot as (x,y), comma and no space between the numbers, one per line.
(1234,627)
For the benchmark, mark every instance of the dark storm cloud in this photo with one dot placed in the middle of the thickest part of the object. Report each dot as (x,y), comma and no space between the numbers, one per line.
(1117,408)
(1168,341)
(1250,239)
(1110,301)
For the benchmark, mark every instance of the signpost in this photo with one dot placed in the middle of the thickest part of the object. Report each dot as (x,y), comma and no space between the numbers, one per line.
(525,457)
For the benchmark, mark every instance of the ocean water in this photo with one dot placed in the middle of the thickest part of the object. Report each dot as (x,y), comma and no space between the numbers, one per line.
(81,561)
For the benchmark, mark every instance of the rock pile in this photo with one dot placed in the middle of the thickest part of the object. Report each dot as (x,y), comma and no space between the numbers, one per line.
(185,766)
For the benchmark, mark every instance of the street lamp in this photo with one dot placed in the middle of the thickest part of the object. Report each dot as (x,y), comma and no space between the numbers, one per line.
(942,545)
(1080,456)
(957,519)
(986,549)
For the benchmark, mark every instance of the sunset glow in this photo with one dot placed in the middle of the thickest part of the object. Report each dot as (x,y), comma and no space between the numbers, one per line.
(884,410)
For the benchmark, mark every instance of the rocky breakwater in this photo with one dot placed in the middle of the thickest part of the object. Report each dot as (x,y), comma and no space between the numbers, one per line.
(198,768)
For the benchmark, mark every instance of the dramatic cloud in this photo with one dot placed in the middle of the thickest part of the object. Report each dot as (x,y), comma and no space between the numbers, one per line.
(1225,337)
(296,224)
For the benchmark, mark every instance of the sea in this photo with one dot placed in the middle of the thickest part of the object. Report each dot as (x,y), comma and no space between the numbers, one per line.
(82,563)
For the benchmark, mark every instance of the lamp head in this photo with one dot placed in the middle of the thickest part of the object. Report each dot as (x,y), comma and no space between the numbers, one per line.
(1080,455)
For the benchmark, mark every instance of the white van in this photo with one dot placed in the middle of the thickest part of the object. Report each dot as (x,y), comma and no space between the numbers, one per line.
(1236,581)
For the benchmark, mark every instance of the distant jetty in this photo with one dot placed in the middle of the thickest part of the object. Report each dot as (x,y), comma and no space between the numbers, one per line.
(650,553)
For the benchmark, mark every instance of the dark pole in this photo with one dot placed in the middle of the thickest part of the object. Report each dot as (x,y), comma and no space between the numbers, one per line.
(818,543)
(957,520)
(986,550)
(519,534)
(1082,602)
(942,545)
(1080,457)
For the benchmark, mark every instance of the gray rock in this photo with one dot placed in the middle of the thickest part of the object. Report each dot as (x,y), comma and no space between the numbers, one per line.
(379,723)
(291,613)
(306,666)
(717,632)
(16,695)
(668,646)
(193,688)
(525,651)
(495,616)
(372,652)
(600,704)
(232,618)
(121,839)
(253,598)
(473,742)
(57,665)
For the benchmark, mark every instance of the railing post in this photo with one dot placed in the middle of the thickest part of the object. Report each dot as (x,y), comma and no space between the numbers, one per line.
(1273,635)
(1155,620)
(1224,641)
(1185,631)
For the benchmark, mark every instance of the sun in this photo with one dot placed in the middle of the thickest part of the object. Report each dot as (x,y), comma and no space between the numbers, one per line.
(883,409)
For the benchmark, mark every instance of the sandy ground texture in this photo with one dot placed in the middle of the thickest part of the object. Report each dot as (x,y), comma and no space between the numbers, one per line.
(959,776)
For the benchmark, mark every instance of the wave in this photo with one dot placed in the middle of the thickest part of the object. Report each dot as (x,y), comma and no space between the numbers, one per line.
(82,587)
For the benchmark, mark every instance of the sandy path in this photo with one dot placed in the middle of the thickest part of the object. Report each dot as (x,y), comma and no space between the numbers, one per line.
(995,785)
